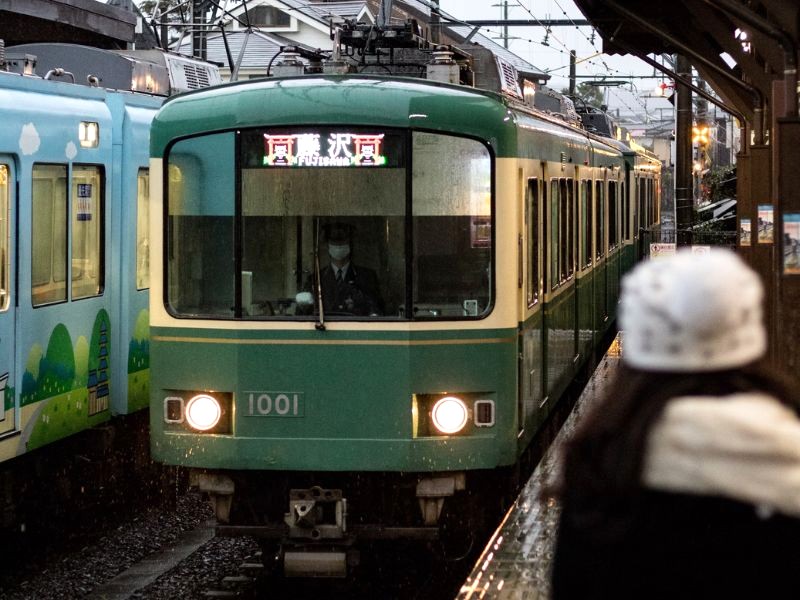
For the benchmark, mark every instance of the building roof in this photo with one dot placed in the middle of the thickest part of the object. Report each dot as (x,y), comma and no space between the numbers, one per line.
(342,10)
(261,48)
(522,65)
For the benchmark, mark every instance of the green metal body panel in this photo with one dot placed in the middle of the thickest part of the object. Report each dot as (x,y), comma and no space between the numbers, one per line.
(585,315)
(613,266)
(532,411)
(357,406)
(559,326)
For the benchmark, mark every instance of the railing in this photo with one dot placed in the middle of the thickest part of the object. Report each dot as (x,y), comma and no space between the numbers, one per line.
(664,235)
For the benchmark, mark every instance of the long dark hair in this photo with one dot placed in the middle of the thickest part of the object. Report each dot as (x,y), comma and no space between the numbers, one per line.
(603,459)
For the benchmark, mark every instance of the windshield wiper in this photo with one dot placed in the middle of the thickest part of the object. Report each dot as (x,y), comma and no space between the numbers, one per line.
(320,325)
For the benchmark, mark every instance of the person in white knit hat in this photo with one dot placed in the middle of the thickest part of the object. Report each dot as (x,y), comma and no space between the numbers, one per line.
(684,482)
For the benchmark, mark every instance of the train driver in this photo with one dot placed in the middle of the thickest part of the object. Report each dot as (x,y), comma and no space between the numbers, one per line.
(347,288)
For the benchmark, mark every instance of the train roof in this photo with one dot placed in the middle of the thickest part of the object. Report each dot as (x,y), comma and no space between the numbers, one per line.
(404,102)
(332,100)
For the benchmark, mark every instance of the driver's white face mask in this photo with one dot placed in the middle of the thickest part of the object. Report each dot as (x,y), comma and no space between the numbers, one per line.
(339,251)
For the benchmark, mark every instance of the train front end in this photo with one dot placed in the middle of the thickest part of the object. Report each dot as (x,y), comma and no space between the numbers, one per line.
(334,307)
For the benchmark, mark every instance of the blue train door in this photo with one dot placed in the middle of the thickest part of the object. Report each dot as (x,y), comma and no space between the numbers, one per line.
(8,416)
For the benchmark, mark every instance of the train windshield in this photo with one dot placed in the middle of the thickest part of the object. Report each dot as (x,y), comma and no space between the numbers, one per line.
(353,223)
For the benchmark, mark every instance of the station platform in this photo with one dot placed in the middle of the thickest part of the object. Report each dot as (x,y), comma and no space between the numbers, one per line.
(515,565)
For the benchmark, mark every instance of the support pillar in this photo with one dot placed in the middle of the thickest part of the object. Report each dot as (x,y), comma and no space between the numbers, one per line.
(684,213)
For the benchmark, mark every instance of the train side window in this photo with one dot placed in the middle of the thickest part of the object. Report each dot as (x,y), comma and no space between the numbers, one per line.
(555,202)
(143,229)
(626,207)
(563,246)
(570,227)
(5,291)
(49,234)
(612,214)
(599,231)
(585,250)
(532,207)
(88,264)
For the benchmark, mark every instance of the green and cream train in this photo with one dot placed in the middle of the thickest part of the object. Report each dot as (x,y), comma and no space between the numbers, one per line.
(486,240)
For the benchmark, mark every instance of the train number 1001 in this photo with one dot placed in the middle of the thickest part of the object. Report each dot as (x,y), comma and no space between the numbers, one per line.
(275,404)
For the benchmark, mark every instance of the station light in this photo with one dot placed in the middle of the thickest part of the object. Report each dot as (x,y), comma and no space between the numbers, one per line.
(700,134)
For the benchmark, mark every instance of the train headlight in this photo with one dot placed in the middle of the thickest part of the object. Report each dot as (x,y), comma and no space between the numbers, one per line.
(203,412)
(449,415)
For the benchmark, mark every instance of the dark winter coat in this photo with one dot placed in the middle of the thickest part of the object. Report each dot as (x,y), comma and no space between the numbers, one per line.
(717,515)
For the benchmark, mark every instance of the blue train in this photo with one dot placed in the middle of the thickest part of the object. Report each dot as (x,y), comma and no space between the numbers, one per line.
(74,264)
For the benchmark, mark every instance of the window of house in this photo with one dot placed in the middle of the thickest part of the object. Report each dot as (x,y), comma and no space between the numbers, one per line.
(269,16)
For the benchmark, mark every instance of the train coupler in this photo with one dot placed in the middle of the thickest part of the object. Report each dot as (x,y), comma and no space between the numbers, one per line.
(317,514)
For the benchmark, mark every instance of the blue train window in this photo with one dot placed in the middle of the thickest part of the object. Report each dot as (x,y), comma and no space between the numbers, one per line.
(4,238)
(87,231)
(49,234)
(143,229)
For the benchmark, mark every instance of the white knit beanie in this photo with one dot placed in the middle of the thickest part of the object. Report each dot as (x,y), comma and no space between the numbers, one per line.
(692,312)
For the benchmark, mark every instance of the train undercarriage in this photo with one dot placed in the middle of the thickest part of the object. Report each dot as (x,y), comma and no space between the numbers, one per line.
(316,525)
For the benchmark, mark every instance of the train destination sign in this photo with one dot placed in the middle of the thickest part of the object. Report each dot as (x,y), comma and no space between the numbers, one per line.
(334,149)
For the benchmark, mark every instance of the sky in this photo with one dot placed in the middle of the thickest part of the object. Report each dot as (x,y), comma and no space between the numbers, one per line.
(528,42)
(633,102)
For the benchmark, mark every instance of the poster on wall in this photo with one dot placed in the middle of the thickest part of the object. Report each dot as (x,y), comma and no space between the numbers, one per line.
(744,232)
(766,224)
(791,244)
(660,250)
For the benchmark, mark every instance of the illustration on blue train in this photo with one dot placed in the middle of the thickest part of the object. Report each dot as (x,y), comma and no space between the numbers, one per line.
(74,252)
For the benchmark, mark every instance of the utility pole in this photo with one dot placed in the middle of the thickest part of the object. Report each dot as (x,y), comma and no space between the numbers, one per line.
(505,27)
(199,48)
(683,154)
(572,77)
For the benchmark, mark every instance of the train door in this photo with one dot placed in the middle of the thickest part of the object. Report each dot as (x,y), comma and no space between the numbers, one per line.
(8,416)
(532,366)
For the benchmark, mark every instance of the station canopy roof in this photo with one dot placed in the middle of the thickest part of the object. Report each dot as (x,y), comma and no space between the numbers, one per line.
(702,30)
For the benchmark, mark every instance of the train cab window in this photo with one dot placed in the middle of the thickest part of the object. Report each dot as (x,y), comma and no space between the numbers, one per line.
(49,234)
(599,231)
(5,291)
(585,250)
(452,226)
(200,224)
(143,229)
(313,222)
(532,220)
(87,231)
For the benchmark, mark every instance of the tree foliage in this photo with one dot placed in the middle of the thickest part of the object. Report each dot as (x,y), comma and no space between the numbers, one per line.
(590,94)
(148,7)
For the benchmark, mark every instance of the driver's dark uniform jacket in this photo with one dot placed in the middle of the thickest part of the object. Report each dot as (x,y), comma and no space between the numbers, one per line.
(357,292)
